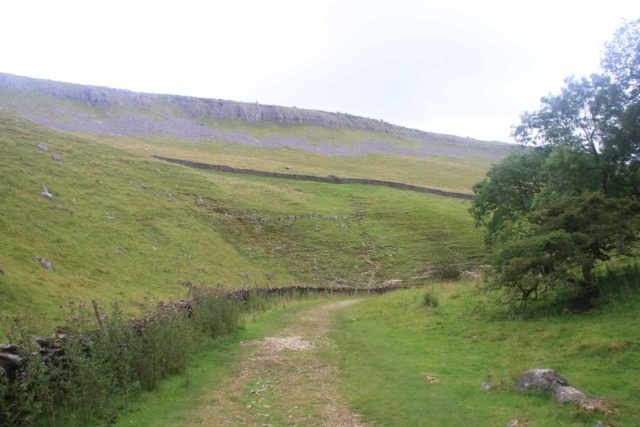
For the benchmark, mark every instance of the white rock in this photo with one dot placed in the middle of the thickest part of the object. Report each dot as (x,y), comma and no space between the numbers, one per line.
(46,193)
(566,394)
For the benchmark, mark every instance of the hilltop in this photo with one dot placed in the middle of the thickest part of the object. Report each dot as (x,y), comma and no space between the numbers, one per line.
(107,111)
(252,136)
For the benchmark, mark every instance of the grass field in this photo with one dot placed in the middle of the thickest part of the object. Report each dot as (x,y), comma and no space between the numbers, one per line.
(389,345)
(443,172)
(124,226)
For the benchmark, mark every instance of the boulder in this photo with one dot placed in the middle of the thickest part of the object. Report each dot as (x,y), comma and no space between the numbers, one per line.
(8,348)
(11,360)
(57,157)
(566,394)
(540,379)
(42,147)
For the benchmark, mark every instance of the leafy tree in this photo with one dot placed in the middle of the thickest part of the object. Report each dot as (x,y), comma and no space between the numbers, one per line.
(570,200)
(598,227)
(527,268)
(622,58)
(508,191)
(598,115)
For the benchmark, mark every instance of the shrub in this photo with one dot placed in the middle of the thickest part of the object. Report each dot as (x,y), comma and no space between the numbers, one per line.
(98,364)
(215,316)
(430,299)
(446,271)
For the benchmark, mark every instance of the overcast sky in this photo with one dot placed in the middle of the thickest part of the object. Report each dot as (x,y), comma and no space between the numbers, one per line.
(467,68)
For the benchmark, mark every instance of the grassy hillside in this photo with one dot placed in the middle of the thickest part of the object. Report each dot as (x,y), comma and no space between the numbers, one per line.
(251,135)
(125,226)
(442,172)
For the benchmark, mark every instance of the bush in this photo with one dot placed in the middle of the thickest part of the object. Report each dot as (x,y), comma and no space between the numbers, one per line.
(430,299)
(446,271)
(216,316)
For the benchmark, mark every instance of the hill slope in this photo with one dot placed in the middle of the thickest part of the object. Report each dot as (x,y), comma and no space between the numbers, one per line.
(254,136)
(127,226)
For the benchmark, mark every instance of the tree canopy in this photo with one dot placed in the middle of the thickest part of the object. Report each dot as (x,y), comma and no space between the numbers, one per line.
(570,198)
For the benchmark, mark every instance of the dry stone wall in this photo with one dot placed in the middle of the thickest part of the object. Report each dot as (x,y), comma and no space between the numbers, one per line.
(328,179)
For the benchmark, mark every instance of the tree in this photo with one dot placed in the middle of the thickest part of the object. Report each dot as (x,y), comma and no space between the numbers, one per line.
(571,199)
(508,191)
(528,267)
(598,115)
(597,226)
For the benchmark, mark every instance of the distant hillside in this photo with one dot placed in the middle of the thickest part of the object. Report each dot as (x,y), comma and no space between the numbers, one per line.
(116,112)
(117,224)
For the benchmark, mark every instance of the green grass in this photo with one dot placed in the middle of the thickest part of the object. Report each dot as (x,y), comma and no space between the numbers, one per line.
(443,172)
(127,227)
(456,172)
(389,344)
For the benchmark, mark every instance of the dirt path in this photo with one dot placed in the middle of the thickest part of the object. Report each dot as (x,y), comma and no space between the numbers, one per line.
(289,379)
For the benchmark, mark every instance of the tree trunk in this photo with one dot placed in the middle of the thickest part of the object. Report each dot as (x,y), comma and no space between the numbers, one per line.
(605,181)
(589,288)
(587,273)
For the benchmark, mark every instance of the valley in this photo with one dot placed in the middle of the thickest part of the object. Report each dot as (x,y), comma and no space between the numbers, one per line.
(109,197)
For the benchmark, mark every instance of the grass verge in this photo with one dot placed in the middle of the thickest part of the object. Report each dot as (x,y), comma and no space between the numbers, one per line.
(404,363)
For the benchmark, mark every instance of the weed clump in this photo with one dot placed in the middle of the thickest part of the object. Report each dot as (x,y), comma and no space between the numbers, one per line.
(430,299)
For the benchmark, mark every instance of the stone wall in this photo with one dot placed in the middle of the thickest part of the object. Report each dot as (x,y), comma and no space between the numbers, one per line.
(13,361)
(328,179)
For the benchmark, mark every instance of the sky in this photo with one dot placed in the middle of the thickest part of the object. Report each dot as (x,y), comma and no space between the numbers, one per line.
(467,68)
